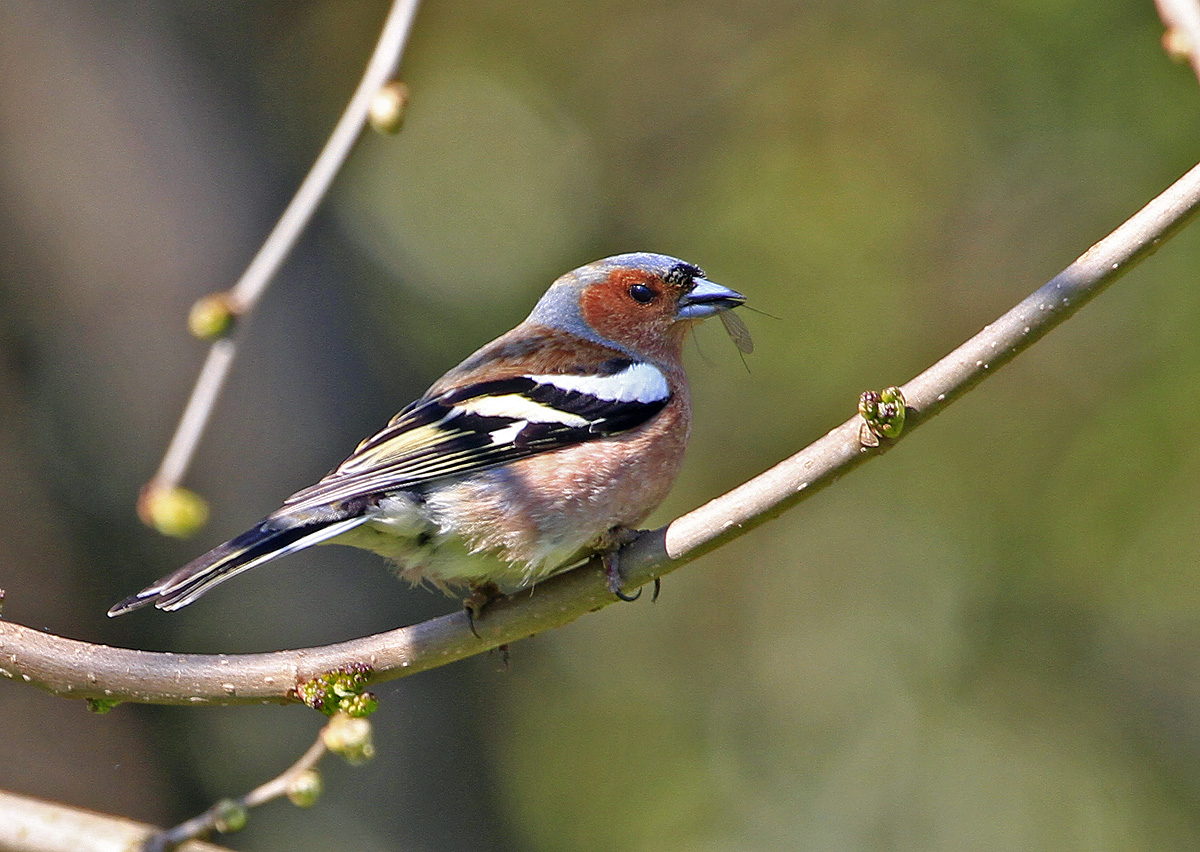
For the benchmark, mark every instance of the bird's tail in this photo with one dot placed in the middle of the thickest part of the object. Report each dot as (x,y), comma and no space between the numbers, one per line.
(270,538)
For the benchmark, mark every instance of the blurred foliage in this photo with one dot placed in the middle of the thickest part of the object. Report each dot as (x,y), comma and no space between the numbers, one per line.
(987,640)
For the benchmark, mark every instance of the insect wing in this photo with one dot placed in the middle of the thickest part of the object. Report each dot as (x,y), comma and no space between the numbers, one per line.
(735,327)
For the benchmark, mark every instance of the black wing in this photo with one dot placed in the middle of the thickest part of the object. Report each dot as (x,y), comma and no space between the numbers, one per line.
(491,423)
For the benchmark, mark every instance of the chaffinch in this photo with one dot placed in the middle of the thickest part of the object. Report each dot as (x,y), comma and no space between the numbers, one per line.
(547,445)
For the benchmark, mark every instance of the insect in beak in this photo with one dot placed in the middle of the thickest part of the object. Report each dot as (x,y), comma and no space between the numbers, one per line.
(735,327)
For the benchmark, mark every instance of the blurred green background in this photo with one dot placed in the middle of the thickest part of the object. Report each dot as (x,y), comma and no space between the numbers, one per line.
(988,640)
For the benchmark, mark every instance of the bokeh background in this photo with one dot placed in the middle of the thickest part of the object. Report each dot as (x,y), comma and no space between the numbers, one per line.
(987,640)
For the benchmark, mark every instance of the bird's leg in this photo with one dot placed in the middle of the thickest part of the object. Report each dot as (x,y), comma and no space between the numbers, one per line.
(610,545)
(612,572)
(474,603)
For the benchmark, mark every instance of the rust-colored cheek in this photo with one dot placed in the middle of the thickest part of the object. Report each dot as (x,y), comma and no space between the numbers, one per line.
(608,308)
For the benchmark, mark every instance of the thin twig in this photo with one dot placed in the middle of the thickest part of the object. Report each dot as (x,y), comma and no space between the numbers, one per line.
(213,819)
(195,415)
(278,786)
(82,670)
(249,288)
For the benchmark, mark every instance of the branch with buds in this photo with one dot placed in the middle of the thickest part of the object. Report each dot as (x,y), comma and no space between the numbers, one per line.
(107,675)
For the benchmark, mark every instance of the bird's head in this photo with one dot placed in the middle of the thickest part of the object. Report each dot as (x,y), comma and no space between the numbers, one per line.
(643,303)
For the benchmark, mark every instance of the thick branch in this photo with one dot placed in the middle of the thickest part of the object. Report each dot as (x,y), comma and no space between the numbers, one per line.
(80,670)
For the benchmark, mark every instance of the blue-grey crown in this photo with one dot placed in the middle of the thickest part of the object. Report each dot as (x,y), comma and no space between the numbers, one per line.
(559,307)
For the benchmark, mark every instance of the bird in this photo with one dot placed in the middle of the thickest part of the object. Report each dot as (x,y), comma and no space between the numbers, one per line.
(545,447)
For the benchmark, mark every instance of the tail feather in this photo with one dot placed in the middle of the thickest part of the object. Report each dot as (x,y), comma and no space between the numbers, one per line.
(265,541)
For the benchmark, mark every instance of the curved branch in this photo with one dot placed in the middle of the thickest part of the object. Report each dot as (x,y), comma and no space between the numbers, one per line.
(81,670)
(249,288)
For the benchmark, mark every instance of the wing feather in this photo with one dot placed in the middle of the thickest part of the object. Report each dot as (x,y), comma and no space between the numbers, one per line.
(491,423)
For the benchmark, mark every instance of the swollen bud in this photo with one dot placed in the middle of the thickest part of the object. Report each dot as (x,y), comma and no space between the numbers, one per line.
(212,317)
(305,789)
(350,737)
(173,511)
(883,415)
(229,816)
(386,113)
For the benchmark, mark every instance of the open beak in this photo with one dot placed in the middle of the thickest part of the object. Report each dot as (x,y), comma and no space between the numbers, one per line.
(707,299)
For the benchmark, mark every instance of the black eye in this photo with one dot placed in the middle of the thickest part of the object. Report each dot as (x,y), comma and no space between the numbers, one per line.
(642,293)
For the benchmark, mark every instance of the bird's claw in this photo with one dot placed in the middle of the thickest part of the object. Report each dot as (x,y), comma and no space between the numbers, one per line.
(619,593)
(474,603)
(616,583)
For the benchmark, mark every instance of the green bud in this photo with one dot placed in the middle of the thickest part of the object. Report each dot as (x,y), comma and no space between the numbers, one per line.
(212,317)
(359,706)
(176,511)
(340,689)
(101,705)
(315,693)
(883,413)
(349,737)
(305,789)
(229,816)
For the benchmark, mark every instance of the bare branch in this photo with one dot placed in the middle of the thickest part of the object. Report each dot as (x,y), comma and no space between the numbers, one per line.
(32,825)
(249,288)
(299,782)
(81,670)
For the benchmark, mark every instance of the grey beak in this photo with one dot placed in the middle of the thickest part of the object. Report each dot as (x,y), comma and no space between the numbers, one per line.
(707,299)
